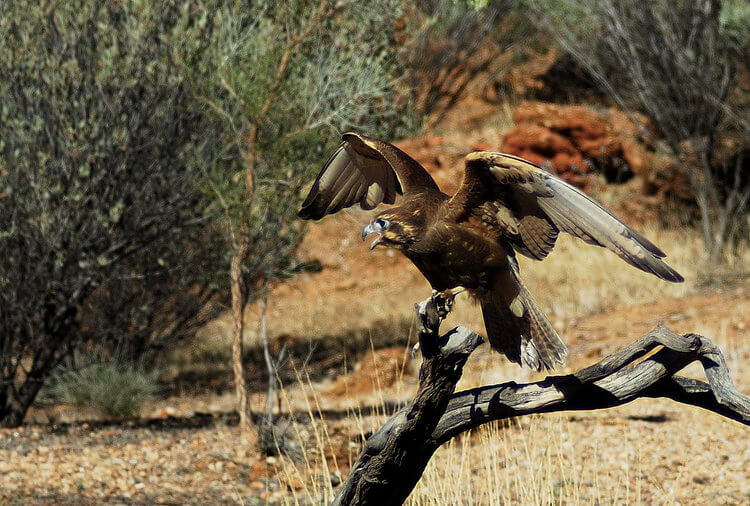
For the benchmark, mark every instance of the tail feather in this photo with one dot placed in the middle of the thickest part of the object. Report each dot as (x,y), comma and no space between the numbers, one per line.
(544,338)
(525,336)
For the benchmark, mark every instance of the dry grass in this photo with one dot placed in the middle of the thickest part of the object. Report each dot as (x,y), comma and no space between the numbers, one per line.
(580,279)
(647,452)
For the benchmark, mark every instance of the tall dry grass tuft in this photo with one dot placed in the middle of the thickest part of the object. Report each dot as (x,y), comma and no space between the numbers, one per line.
(532,460)
(323,458)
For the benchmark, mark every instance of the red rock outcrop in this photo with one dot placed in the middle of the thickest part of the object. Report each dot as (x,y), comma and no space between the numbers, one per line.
(576,139)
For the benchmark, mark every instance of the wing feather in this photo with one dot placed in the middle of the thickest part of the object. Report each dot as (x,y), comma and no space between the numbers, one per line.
(344,189)
(363,171)
(543,204)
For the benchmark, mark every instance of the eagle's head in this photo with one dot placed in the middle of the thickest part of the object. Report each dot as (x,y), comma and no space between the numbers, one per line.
(395,228)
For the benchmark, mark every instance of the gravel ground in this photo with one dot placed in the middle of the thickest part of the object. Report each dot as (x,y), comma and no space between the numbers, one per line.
(130,466)
(190,451)
(648,452)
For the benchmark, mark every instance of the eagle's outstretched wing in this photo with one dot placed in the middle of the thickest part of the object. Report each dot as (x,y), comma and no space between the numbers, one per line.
(365,171)
(528,206)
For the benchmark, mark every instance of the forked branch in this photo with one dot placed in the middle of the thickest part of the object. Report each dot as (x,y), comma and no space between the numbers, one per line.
(394,458)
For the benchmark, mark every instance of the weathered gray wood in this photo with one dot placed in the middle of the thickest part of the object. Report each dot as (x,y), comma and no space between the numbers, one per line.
(611,382)
(394,458)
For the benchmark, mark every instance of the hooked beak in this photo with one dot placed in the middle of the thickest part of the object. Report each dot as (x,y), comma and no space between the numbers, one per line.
(371,229)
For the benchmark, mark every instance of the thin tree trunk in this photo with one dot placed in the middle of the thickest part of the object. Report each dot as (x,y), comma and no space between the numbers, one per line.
(12,410)
(242,239)
(18,400)
(238,309)
(267,357)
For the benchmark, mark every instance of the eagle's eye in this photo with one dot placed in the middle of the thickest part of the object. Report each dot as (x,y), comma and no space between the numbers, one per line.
(382,224)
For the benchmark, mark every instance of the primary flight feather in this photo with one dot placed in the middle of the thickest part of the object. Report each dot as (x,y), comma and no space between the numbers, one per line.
(503,205)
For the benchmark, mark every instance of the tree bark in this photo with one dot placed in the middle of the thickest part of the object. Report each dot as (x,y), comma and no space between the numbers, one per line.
(394,458)
(238,327)
(16,401)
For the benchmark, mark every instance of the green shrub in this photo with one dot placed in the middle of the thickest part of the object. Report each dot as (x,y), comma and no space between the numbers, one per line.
(124,132)
(115,390)
(734,17)
(98,204)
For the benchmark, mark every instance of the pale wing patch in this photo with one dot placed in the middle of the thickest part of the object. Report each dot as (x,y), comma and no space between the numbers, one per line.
(516,307)
(374,196)
(543,205)
(348,178)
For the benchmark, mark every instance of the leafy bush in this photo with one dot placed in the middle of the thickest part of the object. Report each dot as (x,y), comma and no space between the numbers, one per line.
(734,18)
(124,134)
(277,85)
(96,192)
(115,390)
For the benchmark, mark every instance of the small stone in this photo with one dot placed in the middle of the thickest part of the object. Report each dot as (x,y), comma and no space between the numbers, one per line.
(335,478)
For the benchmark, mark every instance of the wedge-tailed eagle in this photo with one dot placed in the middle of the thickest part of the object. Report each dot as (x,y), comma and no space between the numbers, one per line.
(504,205)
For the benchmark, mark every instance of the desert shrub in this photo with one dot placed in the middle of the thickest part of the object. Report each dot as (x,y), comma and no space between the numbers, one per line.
(114,389)
(328,86)
(125,129)
(276,86)
(97,198)
(734,17)
(153,303)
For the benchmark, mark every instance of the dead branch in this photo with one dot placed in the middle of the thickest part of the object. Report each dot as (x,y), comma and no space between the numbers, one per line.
(394,458)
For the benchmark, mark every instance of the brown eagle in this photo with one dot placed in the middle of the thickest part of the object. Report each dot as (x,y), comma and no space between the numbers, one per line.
(504,204)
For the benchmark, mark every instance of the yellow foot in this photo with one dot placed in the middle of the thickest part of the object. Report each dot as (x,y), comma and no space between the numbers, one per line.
(443,302)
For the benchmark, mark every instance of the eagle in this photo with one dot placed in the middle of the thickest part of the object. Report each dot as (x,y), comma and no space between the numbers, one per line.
(504,205)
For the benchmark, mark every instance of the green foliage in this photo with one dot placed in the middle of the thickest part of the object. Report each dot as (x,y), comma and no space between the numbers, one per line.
(734,18)
(113,389)
(574,20)
(123,144)
(97,195)
(329,85)
(584,18)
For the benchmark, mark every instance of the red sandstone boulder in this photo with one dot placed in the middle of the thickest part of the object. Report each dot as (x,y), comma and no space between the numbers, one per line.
(577,139)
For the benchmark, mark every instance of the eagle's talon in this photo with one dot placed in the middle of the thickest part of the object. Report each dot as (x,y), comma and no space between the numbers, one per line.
(443,302)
